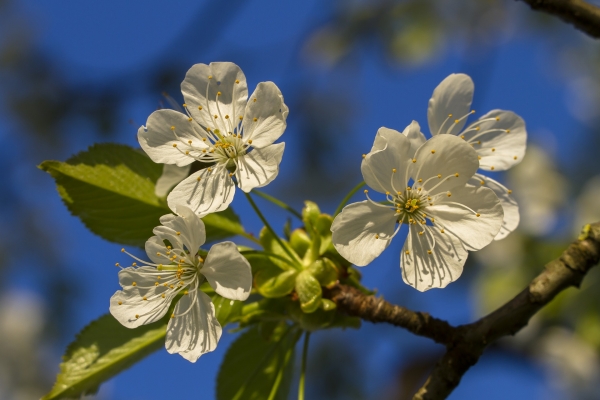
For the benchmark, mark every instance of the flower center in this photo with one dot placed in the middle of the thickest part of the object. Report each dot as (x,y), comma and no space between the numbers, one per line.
(410,206)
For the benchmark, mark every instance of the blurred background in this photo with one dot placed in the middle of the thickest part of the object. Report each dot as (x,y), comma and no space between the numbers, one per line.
(74,73)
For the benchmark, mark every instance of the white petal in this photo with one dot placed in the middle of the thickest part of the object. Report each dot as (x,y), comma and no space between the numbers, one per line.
(425,271)
(190,227)
(377,166)
(507,200)
(171,176)
(195,333)
(267,107)
(157,138)
(259,167)
(201,88)
(213,192)
(503,142)
(128,305)
(440,159)
(155,246)
(453,215)
(354,231)
(452,97)
(416,137)
(228,272)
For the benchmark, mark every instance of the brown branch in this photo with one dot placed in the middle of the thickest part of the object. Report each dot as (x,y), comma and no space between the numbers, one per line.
(466,343)
(578,13)
(376,309)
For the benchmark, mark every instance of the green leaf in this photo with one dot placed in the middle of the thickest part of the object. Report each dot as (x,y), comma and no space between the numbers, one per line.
(324,271)
(257,369)
(100,351)
(110,187)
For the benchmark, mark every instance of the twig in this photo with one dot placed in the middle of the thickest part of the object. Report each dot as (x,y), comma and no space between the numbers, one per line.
(578,13)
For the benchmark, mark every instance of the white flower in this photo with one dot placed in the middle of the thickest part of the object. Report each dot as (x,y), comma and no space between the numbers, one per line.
(428,191)
(499,138)
(149,289)
(220,129)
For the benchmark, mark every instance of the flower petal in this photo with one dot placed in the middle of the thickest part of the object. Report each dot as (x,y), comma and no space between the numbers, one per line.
(171,176)
(216,90)
(507,200)
(265,115)
(228,272)
(458,215)
(165,138)
(206,191)
(434,259)
(259,167)
(416,137)
(128,305)
(189,226)
(500,143)
(451,101)
(444,162)
(377,166)
(155,246)
(355,229)
(195,332)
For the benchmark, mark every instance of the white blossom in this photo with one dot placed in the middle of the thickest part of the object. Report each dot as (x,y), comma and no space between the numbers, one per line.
(177,269)
(428,191)
(223,128)
(499,138)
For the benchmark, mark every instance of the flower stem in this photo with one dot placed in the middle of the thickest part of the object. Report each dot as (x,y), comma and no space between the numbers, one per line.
(303,368)
(264,221)
(277,202)
(350,194)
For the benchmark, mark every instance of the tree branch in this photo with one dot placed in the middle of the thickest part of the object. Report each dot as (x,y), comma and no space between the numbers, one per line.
(375,309)
(466,343)
(578,13)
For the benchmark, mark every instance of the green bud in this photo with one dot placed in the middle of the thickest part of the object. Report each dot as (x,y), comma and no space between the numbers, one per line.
(300,241)
(327,305)
(310,214)
(273,282)
(309,291)
(324,271)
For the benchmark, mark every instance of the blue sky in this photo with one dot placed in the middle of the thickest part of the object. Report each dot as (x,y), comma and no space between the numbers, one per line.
(93,43)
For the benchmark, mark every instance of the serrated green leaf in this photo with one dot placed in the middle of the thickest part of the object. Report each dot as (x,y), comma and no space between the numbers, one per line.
(257,369)
(101,350)
(110,187)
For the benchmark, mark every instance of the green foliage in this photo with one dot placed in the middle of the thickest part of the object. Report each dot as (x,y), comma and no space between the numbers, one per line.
(101,350)
(324,271)
(259,369)
(273,282)
(110,187)
(105,347)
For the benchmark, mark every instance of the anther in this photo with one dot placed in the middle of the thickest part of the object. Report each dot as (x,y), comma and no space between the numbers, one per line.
(394,170)
(172,128)
(122,250)
(477,215)
(218,93)
(254,119)
(185,105)
(172,315)
(364,155)
(508,131)
(419,180)
(456,174)
(408,188)
(163,296)
(136,316)
(178,233)
(117,265)
(493,149)
(145,298)
(187,152)
(134,264)
(449,115)
(237,81)
(492,168)
(133,284)
(120,303)
(472,111)
(479,157)
(421,233)
(199,107)
(432,151)
(442,231)
(429,251)
(414,160)
(407,252)
(365,191)
(230,174)
(509,191)
(227,117)
(216,116)
(198,179)
(210,77)
(449,194)
(462,136)
(174,144)
(456,121)
(515,157)
(482,182)
(376,236)
(156,283)
(497,118)
(241,117)
(254,100)
(250,141)
(439,176)
(190,119)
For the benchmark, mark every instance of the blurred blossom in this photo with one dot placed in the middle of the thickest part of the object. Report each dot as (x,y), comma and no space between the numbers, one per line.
(583,98)
(21,327)
(505,254)
(587,208)
(573,364)
(540,191)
